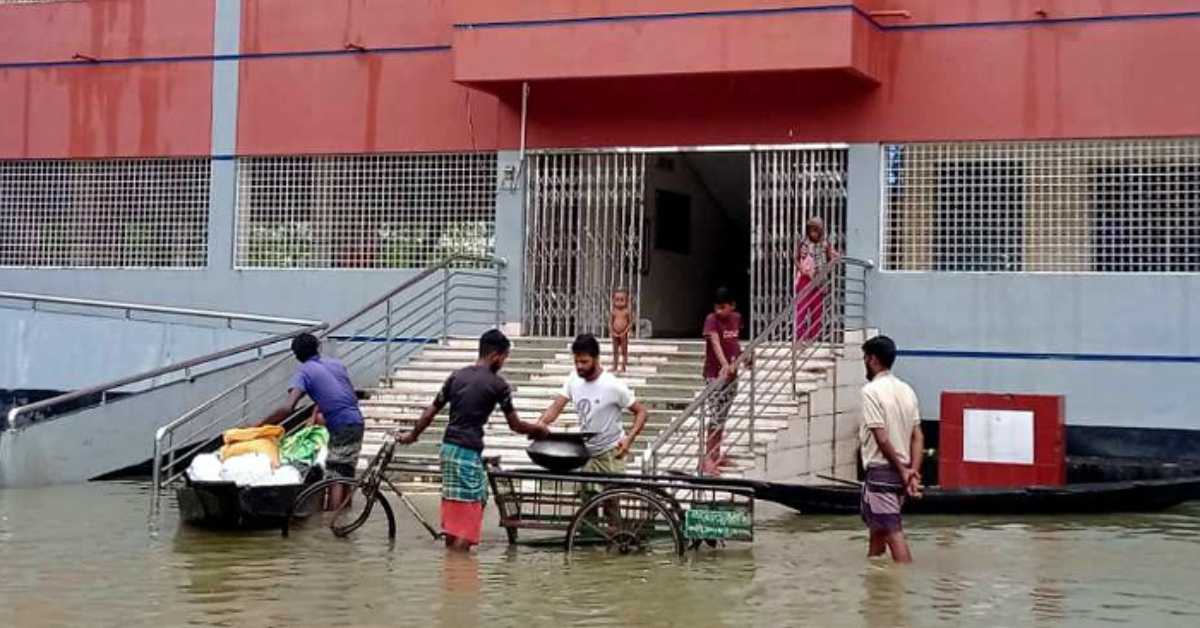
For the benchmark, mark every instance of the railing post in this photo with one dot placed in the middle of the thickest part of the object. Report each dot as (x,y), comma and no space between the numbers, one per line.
(445,305)
(387,340)
(499,280)
(170,455)
(796,336)
(753,409)
(156,467)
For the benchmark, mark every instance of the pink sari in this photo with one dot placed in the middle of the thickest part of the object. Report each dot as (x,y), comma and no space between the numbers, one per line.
(810,304)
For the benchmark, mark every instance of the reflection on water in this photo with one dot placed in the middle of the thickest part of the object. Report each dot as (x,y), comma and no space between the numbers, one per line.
(83,555)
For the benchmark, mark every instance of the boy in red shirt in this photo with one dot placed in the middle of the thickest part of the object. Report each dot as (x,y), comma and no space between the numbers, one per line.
(721,351)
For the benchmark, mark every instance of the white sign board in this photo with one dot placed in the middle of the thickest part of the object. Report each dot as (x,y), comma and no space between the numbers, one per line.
(1003,436)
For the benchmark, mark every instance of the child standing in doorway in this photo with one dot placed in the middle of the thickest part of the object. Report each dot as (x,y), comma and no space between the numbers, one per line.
(619,323)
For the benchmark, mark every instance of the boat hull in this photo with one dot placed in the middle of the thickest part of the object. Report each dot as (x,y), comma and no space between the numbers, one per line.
(224,505)
(1092,497)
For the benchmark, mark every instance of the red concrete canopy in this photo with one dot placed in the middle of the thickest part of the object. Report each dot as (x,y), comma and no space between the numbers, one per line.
(802,38)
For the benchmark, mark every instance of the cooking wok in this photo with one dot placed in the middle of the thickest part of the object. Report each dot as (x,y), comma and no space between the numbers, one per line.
(561,451)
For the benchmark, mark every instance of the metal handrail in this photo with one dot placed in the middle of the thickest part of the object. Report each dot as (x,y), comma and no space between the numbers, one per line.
(165,437)
(129,308)
(185,366)
(799,352)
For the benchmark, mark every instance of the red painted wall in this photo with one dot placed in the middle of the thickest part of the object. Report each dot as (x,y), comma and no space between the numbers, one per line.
(733,44)
(390,102)
(476,11)
(1076,80)
(105,110)
(1082,79)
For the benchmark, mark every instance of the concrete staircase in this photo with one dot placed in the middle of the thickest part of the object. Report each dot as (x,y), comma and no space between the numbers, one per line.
(664,374)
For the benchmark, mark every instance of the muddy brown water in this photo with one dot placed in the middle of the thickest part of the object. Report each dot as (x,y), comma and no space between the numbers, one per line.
(88,555)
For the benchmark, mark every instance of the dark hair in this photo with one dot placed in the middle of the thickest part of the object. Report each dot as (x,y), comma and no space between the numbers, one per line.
(587,345)
(493,341)
(883,348)
(722,296)
(304,347)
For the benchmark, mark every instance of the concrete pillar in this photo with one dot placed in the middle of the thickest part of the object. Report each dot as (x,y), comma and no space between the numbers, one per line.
(510,230)
(222,201)
(863,236)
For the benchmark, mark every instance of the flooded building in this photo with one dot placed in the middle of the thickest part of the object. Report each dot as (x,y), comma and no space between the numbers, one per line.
(1024,177)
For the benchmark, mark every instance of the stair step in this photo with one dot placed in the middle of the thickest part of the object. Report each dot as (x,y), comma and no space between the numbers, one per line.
(664,374)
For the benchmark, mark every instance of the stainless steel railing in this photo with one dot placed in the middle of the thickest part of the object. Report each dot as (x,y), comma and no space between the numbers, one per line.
(459,295)
(38,302)
(73,401)
(772,374)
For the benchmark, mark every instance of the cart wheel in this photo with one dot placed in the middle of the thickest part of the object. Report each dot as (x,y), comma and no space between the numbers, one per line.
(346,517)
(625,521)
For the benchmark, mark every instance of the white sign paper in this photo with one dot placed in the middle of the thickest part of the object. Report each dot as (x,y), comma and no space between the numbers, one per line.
(1003,436)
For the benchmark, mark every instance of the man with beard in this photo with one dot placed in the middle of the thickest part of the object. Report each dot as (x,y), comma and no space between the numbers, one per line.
(473,393)
(891,444)
(599,399)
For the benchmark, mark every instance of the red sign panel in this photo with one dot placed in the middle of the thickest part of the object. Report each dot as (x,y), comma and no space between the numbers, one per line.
(991,440)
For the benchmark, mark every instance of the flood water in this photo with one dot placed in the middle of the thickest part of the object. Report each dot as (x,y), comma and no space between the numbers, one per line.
(85,556)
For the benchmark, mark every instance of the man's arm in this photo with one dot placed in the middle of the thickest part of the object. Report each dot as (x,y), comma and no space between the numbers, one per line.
(889,452)
(277,417)
(533,430)
(714,338)
(916,448)
(423,423)
(551,414)
(639,423)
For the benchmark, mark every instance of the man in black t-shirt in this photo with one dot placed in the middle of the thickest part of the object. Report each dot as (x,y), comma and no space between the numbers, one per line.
(473,393)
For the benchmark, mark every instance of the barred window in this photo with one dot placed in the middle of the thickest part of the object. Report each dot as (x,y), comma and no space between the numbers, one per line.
(365,211)
(119,213)
(1111,206)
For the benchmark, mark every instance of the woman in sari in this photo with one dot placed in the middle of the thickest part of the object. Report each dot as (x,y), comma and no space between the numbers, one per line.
(813,254)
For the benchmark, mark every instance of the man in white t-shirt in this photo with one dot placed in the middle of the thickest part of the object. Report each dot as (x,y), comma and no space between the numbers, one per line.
(891,445)
(600,399)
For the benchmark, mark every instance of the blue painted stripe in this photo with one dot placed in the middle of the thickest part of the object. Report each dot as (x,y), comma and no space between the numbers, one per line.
(648,17)
(1062,357)
(1048,21)
(381,339)
(224,57)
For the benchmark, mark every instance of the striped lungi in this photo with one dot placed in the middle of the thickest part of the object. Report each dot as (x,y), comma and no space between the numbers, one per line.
(883,494)
(463,476)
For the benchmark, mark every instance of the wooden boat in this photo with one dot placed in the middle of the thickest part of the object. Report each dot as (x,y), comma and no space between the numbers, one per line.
(1088,497)
(225,505)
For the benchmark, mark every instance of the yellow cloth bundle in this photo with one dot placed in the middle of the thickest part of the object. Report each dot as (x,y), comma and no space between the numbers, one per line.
(252,440)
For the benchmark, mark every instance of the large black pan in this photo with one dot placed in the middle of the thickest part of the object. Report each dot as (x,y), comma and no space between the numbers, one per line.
(561,451)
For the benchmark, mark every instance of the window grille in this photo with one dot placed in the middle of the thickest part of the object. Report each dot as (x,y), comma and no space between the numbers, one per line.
(365,211)
(119,213)
(1111,206)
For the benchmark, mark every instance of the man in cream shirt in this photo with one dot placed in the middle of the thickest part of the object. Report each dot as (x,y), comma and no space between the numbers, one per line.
(891,444)
(600,399)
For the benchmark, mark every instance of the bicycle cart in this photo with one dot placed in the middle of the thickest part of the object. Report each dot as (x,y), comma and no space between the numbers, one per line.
(622,513)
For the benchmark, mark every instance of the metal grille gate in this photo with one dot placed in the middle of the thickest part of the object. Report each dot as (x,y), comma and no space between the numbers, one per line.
(584,215)
(788,187)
